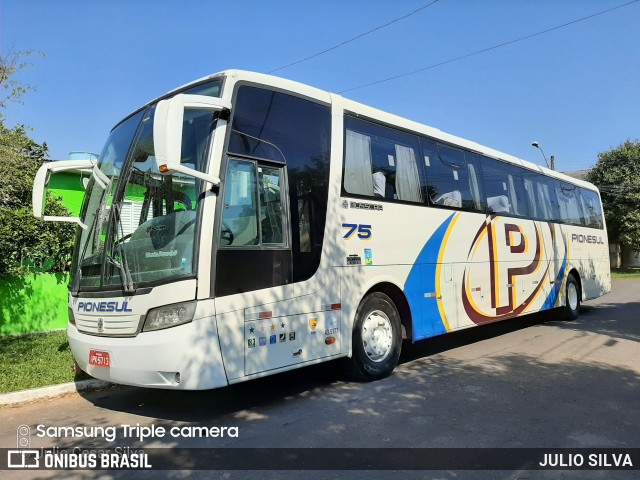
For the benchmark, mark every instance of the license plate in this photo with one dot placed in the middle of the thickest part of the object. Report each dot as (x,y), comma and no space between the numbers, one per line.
(99,359)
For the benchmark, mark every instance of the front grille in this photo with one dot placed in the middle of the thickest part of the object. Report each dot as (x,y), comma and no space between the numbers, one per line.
(120,326)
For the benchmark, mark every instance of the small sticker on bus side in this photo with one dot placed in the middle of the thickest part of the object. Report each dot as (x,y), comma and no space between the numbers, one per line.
(354,260)
(313,323)
(368,256)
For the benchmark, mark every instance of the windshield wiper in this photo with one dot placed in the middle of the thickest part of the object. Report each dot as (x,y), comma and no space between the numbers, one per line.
(77,275)
(125,273)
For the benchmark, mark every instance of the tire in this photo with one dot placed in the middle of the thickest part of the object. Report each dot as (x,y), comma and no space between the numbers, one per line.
(377,338)
(571,309)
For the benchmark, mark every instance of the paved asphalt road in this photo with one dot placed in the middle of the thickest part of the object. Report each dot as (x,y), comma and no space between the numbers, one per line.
(533,382)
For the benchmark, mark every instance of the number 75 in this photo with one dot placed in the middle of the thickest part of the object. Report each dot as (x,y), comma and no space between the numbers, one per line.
(364,231)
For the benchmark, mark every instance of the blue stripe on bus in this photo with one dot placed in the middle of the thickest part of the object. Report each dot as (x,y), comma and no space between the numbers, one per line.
(550,302)
(422,279)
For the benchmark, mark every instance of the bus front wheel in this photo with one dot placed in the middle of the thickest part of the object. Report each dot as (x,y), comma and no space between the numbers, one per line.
(377,338)
(572,304)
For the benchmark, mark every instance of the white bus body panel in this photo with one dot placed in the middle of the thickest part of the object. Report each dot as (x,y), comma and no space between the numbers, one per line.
(282,328)
(460,269)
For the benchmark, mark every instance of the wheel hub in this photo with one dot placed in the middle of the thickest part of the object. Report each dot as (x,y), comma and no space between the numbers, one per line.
(377,336)
(572,296)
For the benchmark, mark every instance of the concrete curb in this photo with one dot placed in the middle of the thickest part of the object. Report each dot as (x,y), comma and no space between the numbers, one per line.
(33,394)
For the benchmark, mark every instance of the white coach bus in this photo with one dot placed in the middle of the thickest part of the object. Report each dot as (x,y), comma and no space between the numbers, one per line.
(245,225)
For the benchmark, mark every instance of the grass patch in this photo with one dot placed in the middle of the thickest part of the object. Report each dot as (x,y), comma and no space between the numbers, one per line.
(36,360)
(630,272)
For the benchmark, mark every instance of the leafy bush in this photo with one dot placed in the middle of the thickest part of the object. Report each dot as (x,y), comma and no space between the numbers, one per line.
(25,241)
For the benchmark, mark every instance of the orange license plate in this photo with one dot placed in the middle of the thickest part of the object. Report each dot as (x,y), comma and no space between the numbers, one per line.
(99,359)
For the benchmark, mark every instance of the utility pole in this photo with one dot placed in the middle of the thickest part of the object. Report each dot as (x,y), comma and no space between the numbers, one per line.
(553,162)
(537,145)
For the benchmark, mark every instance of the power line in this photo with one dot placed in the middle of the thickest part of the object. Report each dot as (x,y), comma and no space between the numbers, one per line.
(477,52)
(619,188)
(354,38)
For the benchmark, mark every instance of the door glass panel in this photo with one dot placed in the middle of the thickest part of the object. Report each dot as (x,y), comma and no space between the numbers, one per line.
(240,209)
(271,205)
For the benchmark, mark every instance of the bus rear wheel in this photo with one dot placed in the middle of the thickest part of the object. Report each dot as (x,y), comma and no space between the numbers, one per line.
(572,304)
(377,338)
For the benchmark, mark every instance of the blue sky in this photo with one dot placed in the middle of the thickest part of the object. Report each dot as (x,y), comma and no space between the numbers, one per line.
(576,90)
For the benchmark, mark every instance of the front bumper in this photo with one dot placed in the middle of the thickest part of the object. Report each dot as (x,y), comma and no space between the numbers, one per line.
(186,357)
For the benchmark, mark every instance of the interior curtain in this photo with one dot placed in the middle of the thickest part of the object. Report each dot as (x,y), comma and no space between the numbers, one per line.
(357,164)
(407,177)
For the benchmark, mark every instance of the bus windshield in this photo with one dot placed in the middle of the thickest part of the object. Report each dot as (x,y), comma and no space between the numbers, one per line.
(142,226)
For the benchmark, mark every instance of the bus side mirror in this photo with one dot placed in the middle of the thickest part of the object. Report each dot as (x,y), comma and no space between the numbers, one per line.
(167,132)
(42,179)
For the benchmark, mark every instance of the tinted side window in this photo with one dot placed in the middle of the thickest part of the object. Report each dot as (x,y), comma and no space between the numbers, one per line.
(452,177)
(284,128)
(542,200)
(505,188)
(591,207)
(380,162)
(569,203)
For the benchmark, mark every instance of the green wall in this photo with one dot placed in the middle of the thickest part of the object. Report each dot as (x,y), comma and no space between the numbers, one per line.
(33,303)
(38,302)
(68,185)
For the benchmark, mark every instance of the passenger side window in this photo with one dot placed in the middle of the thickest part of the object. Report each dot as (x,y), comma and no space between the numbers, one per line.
(570,208)
(591,208)
(505,188)
(380,162)
(451,177)
(541,197)
(357,164)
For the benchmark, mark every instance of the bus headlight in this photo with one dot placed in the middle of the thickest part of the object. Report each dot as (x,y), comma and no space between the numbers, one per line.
(169,316)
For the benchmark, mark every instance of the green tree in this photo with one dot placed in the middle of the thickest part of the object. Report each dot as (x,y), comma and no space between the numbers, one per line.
(617,175)
(22,237)
(12,90)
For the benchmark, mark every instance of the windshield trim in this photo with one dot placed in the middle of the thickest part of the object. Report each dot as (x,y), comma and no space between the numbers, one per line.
(173,93)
